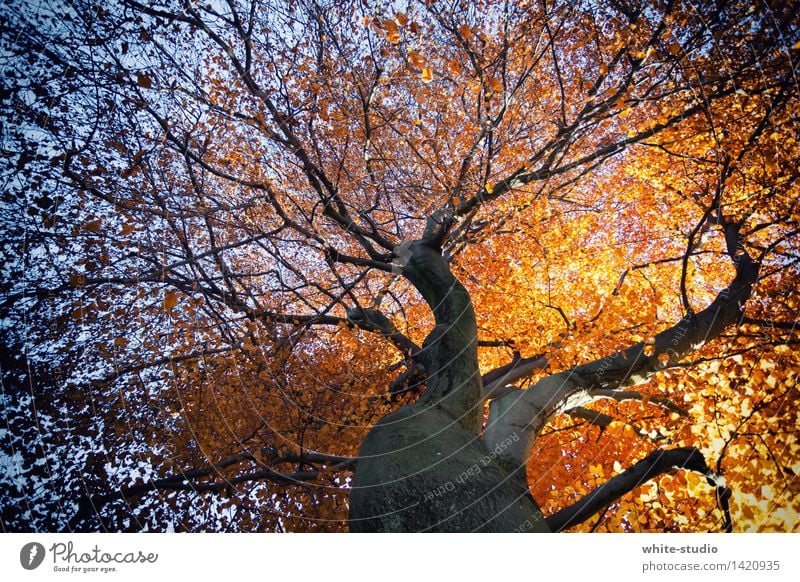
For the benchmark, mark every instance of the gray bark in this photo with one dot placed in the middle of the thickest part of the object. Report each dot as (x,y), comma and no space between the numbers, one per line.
(420,470)
(425,467)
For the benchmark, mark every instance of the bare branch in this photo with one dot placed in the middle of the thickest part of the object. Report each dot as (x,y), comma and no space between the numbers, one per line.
(187,480)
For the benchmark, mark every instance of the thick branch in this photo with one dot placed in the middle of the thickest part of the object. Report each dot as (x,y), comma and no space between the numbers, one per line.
(604,421)
(658,462)
(623,395)
(369,320)
(495,381)
(591,416)
(374,321)
(523,413)
(450,352)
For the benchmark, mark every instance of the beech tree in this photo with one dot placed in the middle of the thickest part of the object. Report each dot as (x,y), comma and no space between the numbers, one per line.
(400,266)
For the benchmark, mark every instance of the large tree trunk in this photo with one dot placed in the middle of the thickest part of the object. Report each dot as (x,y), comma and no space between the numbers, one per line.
(419,469)
(425,467)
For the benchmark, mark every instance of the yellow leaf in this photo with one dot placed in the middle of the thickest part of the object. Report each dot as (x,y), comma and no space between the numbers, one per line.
(427,75)
(489,188)
(603,69)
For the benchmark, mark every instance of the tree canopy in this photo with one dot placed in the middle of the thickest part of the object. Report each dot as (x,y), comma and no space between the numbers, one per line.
(555,242)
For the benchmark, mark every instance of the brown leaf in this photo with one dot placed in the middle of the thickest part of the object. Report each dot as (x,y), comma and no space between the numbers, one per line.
(143,81)
(170,300)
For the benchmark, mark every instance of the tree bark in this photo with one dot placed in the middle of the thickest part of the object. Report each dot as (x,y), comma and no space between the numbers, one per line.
(420,470)
(425,467)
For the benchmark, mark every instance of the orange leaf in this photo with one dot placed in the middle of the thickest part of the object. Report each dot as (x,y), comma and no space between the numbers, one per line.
(416,59)
(453,67)
(170,300)
(392,31)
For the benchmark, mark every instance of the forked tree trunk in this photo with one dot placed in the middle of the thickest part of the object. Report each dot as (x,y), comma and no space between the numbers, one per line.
(425,466)
(419,469)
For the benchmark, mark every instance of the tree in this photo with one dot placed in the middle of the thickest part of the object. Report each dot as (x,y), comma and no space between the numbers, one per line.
(472,266)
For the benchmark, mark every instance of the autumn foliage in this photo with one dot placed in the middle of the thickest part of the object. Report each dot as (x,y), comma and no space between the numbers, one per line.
(203,206)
